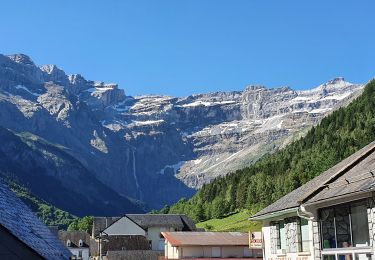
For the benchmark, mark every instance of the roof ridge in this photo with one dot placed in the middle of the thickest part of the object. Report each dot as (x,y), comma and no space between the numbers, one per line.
(370,149)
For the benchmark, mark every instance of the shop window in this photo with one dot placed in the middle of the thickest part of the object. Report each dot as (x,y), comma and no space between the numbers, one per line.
(304,235)
(281,239)
(344,226)
(360,225)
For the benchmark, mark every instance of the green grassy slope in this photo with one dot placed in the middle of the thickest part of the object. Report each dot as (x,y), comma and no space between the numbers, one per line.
(235,222)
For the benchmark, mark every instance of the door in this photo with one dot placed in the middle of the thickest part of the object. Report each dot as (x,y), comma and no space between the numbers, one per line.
(216,252)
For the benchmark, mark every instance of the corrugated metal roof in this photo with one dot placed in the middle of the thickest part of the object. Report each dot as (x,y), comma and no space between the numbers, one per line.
(207,238)
(316,189)
(20,221)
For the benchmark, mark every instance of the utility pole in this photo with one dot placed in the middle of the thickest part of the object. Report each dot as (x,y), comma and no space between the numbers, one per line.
(101,243)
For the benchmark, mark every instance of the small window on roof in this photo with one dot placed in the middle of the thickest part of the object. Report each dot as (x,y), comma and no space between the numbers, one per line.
(68,243)
(80,243)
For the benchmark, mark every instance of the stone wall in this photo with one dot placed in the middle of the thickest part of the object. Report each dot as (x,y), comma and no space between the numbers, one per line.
(371,224)
(292,237)
(273,235)
(316,240)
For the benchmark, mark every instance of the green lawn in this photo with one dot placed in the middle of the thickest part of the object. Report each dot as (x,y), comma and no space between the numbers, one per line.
(236,222)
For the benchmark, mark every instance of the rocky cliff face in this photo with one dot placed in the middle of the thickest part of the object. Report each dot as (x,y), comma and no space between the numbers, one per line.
(154,148)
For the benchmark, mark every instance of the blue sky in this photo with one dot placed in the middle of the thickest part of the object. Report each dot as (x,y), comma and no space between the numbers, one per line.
(183,47)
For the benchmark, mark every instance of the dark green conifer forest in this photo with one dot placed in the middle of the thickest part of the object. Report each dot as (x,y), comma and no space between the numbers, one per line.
(337,136)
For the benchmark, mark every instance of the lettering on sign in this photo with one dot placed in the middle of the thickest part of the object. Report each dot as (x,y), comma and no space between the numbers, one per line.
(256,240)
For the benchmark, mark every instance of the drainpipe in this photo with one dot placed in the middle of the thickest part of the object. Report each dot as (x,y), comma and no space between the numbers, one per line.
(303,213)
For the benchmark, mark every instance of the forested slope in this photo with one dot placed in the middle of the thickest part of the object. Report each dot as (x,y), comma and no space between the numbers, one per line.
(337,136)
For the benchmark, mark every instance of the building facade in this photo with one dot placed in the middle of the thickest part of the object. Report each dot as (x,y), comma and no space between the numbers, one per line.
(329,218)
(209,245)
(78,243)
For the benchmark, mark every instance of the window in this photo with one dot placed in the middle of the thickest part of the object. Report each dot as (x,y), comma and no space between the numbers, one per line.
(304,235)
(80,243)
(80,253)
(68,243)
(344,226)
(359,225)
(281,240)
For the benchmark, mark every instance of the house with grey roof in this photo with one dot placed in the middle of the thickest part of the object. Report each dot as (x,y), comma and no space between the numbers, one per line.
(78,243)
(22,234)
(331,217)
(154,224)
(134,229)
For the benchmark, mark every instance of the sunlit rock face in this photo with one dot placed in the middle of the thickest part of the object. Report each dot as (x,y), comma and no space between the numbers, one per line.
(156,148)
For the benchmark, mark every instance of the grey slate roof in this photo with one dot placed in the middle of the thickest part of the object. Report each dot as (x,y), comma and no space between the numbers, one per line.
(101,223)
(74,237)
(331,183)
(179,221)
(21,222)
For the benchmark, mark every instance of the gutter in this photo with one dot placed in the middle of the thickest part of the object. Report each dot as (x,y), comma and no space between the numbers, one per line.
(365,194)
(274,214)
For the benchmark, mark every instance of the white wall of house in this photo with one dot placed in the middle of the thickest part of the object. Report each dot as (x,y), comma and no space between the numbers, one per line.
(267,241)
(171,252)
(234,251)
(181,252)
(125,226)
(272,253)
(157,240)
(85,252)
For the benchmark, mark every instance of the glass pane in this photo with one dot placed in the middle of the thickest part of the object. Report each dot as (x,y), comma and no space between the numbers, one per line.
(362,256)
(305,235)
(328,228)
(278,245)
(345,257)
(282,235)
(343,227)
(329,257)
(360,225)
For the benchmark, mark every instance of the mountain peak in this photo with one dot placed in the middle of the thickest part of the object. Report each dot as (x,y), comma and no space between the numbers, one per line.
(21,58)
(50,68)
(336,80)
(336,83)
(254,87)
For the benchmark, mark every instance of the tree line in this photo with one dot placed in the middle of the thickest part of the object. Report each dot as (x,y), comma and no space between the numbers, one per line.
(337,136)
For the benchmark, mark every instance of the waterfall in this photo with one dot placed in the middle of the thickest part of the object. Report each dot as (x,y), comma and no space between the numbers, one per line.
(135,176)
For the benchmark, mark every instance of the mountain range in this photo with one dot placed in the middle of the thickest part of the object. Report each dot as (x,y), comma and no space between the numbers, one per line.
(88,148)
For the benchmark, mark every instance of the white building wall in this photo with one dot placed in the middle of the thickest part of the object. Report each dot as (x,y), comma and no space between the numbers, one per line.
(171,252)
(266,230)
(204,251)
(85,252)
(195,251)
(125,226)
(232,251)
(157,241)
(270,254)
